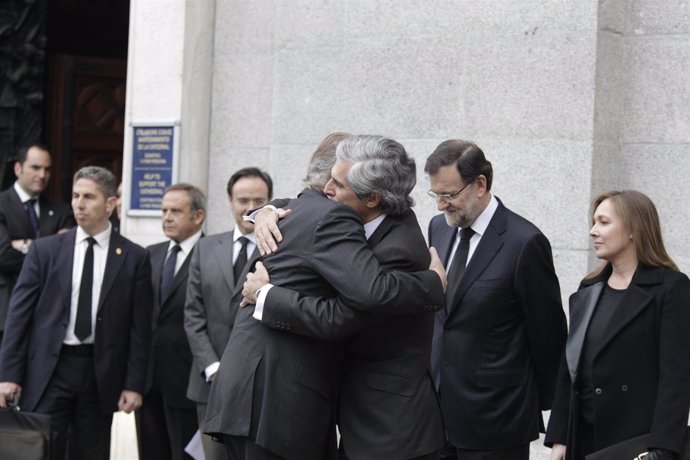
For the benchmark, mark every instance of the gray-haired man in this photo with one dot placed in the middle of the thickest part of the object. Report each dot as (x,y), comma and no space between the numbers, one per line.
(325,254)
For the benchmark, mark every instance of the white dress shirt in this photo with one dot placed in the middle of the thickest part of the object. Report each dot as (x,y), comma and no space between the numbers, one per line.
(237,246)
(212,368)
(479,226)
(186,247)
(100,256)
(24,197)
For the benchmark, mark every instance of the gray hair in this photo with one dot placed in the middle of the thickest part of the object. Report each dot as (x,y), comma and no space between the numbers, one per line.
(104,179)
(322,161)
(196,196)
(380,165)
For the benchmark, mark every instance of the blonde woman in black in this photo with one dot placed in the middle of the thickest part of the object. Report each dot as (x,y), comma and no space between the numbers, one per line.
(626,369)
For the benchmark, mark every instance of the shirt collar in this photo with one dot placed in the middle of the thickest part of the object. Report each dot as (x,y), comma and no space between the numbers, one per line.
(23,196)
(481,223)
(237,234)
(371,226)
(187,245)
(103,238)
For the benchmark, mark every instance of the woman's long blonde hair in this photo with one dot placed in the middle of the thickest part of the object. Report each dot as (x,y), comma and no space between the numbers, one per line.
(642,221)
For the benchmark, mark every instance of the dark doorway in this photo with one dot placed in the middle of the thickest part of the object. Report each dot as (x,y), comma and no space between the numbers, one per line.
(87,67)
(63,67)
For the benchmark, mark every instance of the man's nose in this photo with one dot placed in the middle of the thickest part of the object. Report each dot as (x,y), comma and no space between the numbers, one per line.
(328,189)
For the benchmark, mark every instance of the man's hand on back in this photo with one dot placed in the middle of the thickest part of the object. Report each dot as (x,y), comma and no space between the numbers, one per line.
(266,229)
(255,281)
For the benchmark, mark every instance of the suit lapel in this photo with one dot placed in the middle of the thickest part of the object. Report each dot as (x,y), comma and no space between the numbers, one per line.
(582,304)
(45,222)
(65,258)
(489,245)
(224,259)
(117,252)
(443,242)
(634,301)
(380,231)
(19,211)
(182,273)
(157,261)
(444,238)
(251,261)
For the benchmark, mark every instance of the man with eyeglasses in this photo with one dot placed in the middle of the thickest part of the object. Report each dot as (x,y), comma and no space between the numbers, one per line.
(215,269)
(497,343)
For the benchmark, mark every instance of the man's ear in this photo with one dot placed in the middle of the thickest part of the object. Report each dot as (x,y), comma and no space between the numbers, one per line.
(481,185)
(373,200)
(17,168)
(199,216)
(110,204)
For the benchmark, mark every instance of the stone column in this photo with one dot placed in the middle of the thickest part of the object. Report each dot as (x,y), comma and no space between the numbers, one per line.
(169,78)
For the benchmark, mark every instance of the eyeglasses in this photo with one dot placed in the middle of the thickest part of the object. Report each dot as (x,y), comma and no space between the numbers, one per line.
(447,197)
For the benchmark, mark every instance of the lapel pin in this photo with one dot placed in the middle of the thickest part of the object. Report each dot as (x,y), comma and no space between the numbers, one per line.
(50,213)
(118,251)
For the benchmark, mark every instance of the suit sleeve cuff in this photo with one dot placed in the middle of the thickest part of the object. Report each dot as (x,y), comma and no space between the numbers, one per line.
(253,212)
(210,370)
(260,300)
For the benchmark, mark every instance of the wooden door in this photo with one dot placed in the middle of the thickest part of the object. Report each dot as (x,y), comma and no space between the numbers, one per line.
(86,118)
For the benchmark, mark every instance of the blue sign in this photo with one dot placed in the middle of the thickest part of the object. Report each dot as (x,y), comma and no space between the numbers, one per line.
(153,166)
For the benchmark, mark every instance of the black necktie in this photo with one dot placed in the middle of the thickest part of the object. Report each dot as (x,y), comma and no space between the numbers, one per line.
(82,326)
(168,274)
(241,260)
(33,218)
(457,268)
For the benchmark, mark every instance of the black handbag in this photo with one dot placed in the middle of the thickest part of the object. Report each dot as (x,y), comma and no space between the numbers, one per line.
(24,435)
(634,449)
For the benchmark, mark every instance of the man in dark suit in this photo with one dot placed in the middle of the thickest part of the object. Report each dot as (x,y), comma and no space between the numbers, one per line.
(275,392)
(167,419)
(388,408)
(78,327)
(26,214)
(213,278)
(498,341)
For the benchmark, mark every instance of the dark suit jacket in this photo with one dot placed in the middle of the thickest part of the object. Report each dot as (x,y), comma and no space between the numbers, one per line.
(641,369)
(171,358)
(15,225)
(39,313)
(280,388)
(497,344)
(388,408)
(209,313)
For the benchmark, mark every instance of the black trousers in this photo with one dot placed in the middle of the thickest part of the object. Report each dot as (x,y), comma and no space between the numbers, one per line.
(163,430)
(451,452)
(342,454)
(242,448)
(80,428)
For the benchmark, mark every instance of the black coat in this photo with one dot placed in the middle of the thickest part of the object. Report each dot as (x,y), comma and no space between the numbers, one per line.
(388,407)
(39,313)
(641,371)
(171,357)
(279,388)
(497,345)
(15,225)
